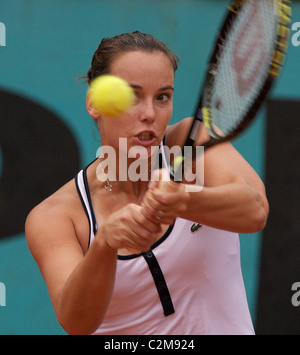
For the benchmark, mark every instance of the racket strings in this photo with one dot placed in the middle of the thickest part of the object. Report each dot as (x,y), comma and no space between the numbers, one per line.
(242,65)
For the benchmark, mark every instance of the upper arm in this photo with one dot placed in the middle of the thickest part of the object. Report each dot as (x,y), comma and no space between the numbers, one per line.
(223,164)
(52,242)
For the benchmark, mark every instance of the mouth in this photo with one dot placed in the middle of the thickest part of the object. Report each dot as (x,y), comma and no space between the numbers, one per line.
(145,138)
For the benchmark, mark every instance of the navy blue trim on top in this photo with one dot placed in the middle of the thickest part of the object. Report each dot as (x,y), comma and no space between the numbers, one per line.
(160,283)
(86,185)
(149,257)
(83,205)
(95,226)
(156,244)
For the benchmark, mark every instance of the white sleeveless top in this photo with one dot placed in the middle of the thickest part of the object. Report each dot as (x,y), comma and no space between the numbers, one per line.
(190,283)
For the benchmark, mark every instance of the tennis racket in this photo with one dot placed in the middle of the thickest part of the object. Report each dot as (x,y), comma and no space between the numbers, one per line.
(247,58)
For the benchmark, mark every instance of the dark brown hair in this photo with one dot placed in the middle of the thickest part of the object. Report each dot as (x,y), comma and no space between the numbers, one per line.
(110,48)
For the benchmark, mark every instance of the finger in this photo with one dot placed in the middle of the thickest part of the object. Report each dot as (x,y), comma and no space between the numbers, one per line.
(137,237)
(147,210)
(157,200)
(153,184)
(134,248)
(135,251)
(144,219)
(164,220)
(153,216)
(148,206)
(159,214)
(142,239)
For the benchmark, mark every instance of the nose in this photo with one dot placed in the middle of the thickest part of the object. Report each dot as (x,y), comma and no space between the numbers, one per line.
(147,111)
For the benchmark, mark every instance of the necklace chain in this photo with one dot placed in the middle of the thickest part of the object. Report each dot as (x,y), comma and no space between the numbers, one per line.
(108,185)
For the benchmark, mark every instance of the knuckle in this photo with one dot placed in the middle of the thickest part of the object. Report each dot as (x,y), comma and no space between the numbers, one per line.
(145,234)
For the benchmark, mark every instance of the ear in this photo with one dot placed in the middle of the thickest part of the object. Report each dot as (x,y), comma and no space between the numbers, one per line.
(90,109)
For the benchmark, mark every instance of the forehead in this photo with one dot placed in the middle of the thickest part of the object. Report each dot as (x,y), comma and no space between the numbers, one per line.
(139,65)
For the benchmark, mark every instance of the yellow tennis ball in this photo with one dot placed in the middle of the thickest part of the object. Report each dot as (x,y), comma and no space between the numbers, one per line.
(111,96)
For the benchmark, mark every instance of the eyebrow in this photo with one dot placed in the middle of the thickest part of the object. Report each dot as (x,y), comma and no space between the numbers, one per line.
(168,87)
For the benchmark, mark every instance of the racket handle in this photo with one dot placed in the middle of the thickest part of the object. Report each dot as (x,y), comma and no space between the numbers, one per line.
(195,128)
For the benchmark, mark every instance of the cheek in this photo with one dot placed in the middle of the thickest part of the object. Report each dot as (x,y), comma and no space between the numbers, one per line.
(166,116)
(115,127)
(118,131)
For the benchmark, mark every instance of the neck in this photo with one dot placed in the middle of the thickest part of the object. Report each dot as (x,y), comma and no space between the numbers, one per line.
(115,170)
(132,178)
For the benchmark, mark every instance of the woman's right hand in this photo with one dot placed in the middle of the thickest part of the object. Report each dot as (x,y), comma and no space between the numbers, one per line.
(129,229)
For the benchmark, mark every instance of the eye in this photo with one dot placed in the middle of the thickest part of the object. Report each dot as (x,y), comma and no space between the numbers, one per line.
(137,96)
(163,97)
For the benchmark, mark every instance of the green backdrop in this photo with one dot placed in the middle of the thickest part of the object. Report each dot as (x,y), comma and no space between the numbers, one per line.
(49,45)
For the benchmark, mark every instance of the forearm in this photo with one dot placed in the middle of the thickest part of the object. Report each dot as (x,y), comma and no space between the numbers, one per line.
(86,294)
(236,207)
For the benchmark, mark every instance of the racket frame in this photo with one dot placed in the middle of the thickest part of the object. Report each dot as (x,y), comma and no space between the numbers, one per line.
(203,113)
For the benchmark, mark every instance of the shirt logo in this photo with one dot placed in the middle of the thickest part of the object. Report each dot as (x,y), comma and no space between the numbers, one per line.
(195,227)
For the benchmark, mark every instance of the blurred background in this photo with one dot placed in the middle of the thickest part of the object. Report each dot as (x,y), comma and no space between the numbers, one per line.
(46,137)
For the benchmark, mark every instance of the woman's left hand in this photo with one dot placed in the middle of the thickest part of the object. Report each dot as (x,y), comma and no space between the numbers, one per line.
(165,200)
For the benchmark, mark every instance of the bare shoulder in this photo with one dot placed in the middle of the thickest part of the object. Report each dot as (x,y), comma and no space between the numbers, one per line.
(55,206)
(52,237)
(56,219)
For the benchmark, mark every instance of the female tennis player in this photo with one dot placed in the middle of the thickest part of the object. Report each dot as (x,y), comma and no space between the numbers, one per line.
(123,257)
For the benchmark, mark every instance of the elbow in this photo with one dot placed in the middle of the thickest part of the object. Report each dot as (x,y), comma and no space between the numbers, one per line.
(77,327)
(255,215)
(260,215)
(260,222)
(73,331)
(75,322)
